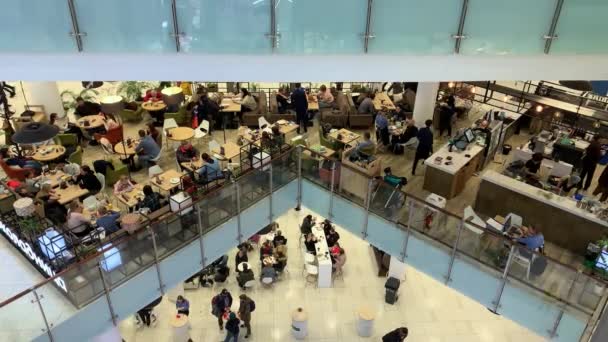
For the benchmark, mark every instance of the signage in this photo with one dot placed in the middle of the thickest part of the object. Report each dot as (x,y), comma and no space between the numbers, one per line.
(595,97)
(27,250)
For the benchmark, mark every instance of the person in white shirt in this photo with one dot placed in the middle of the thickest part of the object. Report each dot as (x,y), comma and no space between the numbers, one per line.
(248,103)
(326,99)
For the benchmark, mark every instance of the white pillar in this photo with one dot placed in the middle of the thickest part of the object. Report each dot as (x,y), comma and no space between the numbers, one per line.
(425,102)
(45,94)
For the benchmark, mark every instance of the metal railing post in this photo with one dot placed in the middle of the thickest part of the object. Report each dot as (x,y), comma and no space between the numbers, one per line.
(270,183)
(75,27)
(237,189)
(200,234)
(448,277)
(176,34)
(460,35)
(46,322)
(330,210)
(410,214)
(368,26)
(553,331)
(299,199)
(502,285)
(161,285)
(106,291)
(368,199)
(551,35)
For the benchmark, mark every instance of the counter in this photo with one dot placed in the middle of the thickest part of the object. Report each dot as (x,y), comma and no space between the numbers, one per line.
(354,178)
(449,180)
(562,222)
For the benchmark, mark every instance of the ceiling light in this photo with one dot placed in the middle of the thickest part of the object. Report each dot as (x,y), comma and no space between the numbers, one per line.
(473,90)
(450,84)
(557,115)
(539,108)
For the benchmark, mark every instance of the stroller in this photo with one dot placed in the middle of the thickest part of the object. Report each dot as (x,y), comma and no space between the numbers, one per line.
(386,199)
(217,271)
(146,316)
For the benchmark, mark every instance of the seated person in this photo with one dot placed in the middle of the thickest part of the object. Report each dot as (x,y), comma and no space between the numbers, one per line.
(335,250)
(55,211)
(279,239)
(243,277)
(154,133)
(123,185)
(151,200)
(109,121)
(71,169)
(277,139)
(533,165)
(339,261)
(333,237)
(281,259)
(282,100)
(310,242)
(87,180)
(382,129)
(268,271)
(367,105)
(210,171)
(306,227)
(108,219)
(45,193)
(77,223)
(326,226)
(153,95)
(186,152)
(21,162)
(534,238)
(266,249)
(366,146)
(325,97)
(84,108)
(411,131)
(241,256)
(29,187)
(569,182)
(147,148)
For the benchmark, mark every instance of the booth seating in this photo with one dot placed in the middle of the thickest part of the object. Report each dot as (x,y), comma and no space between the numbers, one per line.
(358,120)
(132,115)
(114,135)
(183,117)
(112,176)
(274,115)
(250,119)
(337,117)
(14,172)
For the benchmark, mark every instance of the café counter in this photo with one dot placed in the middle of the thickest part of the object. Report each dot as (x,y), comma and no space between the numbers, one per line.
(354,177)
(449,180)
(562,222)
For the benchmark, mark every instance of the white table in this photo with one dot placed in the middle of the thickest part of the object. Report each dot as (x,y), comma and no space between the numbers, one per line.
(240,266)
(323,258)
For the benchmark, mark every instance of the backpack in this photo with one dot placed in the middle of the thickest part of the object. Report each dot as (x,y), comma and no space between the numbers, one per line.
(252,306)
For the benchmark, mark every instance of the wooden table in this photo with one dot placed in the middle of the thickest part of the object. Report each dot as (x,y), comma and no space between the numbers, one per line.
(229,106)
(193,165)
(54,152)
(133,196)
(231,150)
(125,149)
(166,176)
(153,106)
(54,179)
(180,133)
(67,195)
(95,121)
(382,100)
(328,152)
(347,136)
(287,127)
(313,103)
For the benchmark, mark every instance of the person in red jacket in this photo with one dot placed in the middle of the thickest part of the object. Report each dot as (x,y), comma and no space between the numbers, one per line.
(153,95)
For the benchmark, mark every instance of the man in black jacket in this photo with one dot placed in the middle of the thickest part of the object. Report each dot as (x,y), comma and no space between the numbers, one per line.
(85,108)
(300,104)
(425,144)
(397,335)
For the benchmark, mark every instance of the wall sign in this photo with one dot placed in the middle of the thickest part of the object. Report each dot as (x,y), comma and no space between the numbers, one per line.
(27,250)
(595,97)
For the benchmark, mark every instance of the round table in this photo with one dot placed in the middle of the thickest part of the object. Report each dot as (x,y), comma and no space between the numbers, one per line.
(365,321)
(299,324)
(180,324)
(269,261)
(125,149)
(240,266)
(153,106)
(95,121)
(181,133)
(48,153)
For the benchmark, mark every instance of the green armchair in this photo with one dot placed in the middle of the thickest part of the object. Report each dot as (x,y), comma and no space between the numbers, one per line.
(76,157)
(329,143)
(132,115)
(67,139)
(183,117)
(112,176)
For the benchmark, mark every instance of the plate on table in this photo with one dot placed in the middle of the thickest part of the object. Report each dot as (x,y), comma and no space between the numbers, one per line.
(174,180)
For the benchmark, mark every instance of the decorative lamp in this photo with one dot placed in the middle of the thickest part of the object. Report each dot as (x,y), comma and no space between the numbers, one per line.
(450,84)
(35,132)
(173,95)
(24,207)
(473,90)
(112,104)
(597,124)
(557,115)
(539,108)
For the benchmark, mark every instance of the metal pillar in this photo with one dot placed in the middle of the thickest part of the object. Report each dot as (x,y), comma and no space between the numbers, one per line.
(299,198)
(551,35)
(238,212)
(368,199)
(156,264)
(106,291)
(448,277)
(200,235)
(368,26)
(176,34)
(46,322)
(273,35)
(331,192)
(76,34)
(270,214)
(501,288)
(460,35)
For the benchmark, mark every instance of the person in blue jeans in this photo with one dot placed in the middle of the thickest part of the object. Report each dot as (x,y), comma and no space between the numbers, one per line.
(232,328)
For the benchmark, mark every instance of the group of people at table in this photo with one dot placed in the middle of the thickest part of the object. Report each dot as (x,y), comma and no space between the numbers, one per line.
(337,253)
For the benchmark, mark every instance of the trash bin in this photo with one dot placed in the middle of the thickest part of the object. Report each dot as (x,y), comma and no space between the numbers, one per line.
(506,149)
(365,321)
(392,288)
(299,324)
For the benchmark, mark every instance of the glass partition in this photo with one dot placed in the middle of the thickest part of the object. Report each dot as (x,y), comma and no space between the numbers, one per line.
(218,207)
(125,25)
(254,186)
(581,28)
(514,27)
(414,27)
(36,26)
(321,26)
(228,26)
(14,328)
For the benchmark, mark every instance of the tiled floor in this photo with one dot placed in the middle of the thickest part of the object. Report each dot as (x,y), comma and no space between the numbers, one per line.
(430,310)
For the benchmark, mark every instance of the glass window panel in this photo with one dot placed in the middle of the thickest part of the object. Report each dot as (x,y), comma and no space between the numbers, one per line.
(321,26)
(35,26)
(125,25)
(414,27)
(513,27)
(582,27)
(227,26)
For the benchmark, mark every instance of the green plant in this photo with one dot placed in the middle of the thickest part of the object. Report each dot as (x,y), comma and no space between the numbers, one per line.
(253,86)
(132,90)
(68,98)
(212,87)
(603,243)
(83,251)
(30,225)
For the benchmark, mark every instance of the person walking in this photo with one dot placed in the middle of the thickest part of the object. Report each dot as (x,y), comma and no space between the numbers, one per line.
(300,104)
(232,328)
(425,144)
(246,307)
(397,335)
(593,154)
(220,304)
(602,186)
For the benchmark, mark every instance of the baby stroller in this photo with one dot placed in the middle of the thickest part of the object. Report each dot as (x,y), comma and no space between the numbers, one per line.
(387,197)
(146,316)
(217,271)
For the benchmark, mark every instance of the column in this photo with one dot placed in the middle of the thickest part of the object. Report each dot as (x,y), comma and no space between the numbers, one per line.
(425,102)
(45,94)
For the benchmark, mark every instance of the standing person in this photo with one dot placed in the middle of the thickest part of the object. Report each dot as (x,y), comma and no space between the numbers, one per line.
(382,126)
(182,305)
(220,304)
(232,328)
(593,153)
(325,97)
(445,120)
(300,104)
(397,335)
(246,307)
(602,186)
(425,144)
(307,223)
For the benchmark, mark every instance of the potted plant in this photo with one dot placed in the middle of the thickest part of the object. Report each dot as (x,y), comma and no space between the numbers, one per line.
(212,87)
(68,98)
(133,90)
(30,227)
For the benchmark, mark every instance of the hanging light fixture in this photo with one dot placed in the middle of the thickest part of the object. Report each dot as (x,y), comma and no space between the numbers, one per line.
(597,124)
(557,115)
(473,90)
(112,104)
(35,132)
(506,98)
(450,84)
(539,108)
(173,95)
